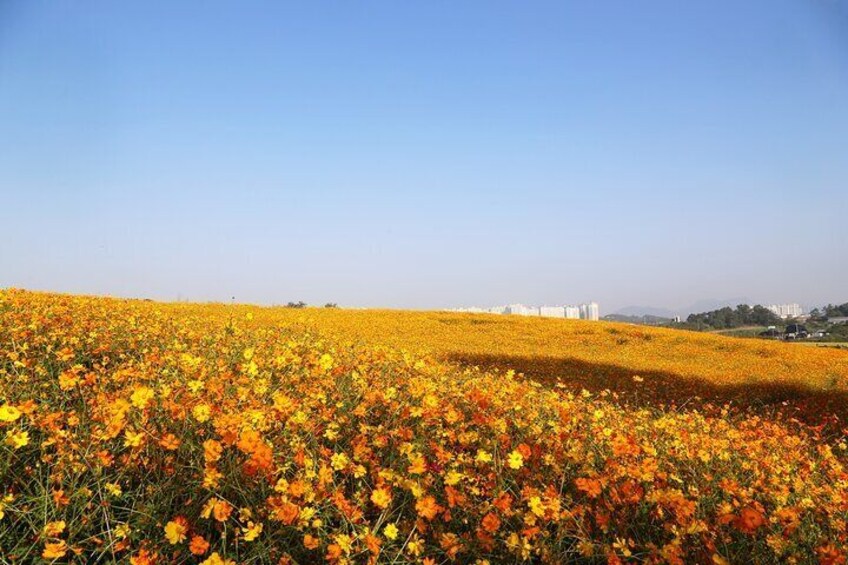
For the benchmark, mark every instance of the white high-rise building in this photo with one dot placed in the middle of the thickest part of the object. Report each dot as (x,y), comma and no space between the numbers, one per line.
(552,311)
(521,310)
(590,311)
(572,312)
(786,310)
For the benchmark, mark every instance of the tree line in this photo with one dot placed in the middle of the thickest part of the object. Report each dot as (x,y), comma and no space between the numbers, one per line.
(830,311)
(742,315)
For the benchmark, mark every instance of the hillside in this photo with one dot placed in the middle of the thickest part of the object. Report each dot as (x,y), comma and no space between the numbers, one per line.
(673,366)
(185,433)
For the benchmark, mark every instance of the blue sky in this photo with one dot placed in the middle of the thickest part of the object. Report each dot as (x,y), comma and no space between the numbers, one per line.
(426,154)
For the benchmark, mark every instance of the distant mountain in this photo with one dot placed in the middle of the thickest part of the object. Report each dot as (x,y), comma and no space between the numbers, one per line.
(639,311)
(711,304)
(706,305)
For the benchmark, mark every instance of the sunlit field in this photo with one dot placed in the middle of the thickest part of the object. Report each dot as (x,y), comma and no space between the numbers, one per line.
(134,431)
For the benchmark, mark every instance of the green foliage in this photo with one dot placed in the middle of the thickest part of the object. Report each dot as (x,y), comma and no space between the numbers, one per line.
(727,317)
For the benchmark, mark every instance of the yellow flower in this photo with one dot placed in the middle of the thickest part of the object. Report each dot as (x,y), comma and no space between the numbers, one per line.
(391,532)
(68,380)
(453,477)
(339,461)
(175,531)
(216,559)
(483,456)
(516,460)
(53,529)
(252,531)
(54,550)
(536,506)
(17,439)
(381,497)
(133,439)
(122,531)
(142,396)
(326,362)
(114,489)
(201,412)
(9,413)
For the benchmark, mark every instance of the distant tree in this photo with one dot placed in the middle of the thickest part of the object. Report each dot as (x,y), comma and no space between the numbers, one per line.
(762,316)
(836,311)
(726,318)
(331,305)
(299,304)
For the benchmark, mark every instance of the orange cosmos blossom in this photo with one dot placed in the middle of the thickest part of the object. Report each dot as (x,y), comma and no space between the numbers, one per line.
(170,442)
(198,545)
(491,523)
(427,507)
(54,550)
(592,487)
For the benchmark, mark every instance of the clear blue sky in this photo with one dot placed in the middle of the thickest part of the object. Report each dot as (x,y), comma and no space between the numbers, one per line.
(426,154)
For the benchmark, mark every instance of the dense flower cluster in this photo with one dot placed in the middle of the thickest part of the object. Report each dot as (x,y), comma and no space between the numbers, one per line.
(155,433)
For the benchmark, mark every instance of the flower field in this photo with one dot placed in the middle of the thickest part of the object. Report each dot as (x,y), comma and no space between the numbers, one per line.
(140,432)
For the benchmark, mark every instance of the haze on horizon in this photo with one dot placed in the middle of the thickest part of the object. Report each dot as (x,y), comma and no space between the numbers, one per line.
(426,155)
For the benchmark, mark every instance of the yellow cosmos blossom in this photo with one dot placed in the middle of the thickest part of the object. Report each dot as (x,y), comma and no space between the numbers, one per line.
(68,380)
(175,531)
(17,439)
(216,559)
(515,460)
(339,461)
(326,361)
(133,439)
(53,529)
(201,412)
(483,456)
(536,506)
(381,497)
(9,413)
(141,397)
(390,531)
(251,532)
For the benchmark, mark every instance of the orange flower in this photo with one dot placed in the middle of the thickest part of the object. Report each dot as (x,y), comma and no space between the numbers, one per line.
(311,542)
(54,550)
(592,487)
(169,442)
(143,557)
(491,523)
(198,545)
(212,450)
(427,507)
(749,520)
(222,510)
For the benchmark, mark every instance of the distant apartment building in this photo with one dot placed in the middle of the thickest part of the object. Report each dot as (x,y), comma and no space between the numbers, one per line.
(521,310)
(584,311)
(590,311)
(552,311)
(786,310)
